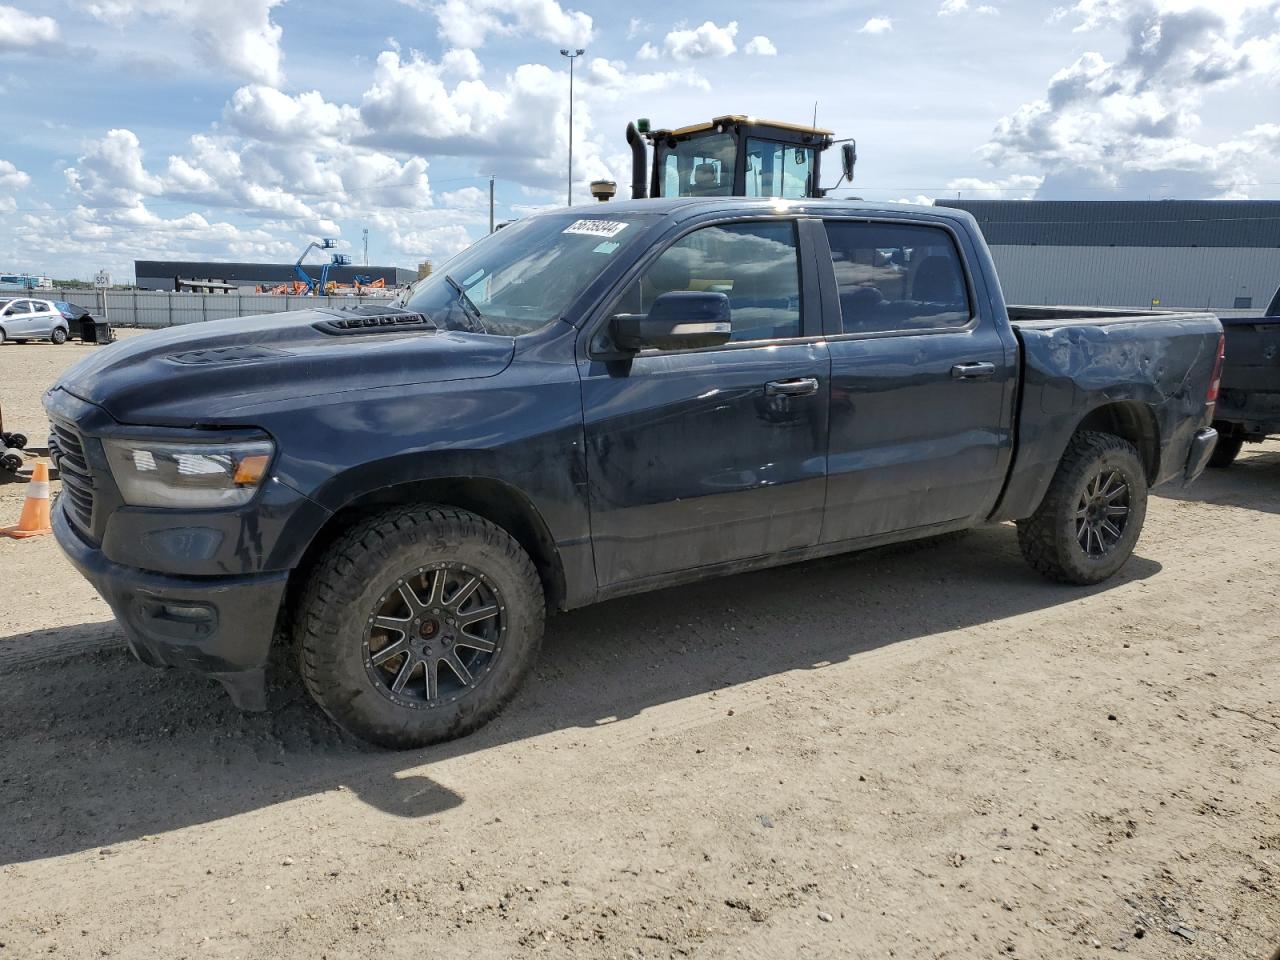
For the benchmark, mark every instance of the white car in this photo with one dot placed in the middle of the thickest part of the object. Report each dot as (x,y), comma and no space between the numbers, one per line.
(22,318)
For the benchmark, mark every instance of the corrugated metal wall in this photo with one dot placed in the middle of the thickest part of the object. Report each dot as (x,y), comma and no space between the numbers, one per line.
(1126,223)
(1193,277)
(145,308)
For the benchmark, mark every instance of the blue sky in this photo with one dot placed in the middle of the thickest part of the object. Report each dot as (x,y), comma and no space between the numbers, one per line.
(242,129)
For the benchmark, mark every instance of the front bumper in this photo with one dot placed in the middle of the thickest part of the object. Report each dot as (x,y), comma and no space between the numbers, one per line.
(1202,445)
(218,626)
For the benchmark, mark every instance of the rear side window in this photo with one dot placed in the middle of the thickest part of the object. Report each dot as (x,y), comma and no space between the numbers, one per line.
(894,277)
(754,264)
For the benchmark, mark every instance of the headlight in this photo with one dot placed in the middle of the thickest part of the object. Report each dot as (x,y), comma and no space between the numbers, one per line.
(153,473)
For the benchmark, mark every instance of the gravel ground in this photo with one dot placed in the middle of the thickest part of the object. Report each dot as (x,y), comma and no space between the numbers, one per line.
(911,752)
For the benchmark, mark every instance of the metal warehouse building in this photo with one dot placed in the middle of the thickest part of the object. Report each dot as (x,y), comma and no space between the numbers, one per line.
(1220,254)
(184,274)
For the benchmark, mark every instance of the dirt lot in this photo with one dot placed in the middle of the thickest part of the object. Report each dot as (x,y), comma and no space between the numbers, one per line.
(924,752)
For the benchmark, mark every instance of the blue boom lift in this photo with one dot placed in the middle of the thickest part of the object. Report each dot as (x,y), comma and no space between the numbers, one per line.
(316,287)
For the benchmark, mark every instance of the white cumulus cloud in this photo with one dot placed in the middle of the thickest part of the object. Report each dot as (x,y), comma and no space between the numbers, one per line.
(951,8)
(467,24)
(877,25)
(1130,126)
(701,43)
(11,178)
(760,46)
(235,35)
(20,30)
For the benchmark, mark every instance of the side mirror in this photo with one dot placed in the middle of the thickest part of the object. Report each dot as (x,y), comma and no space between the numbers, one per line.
(849,158)
(679,320)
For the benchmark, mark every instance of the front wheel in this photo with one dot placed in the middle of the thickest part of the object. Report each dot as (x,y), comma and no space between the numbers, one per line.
(59,336)
(1225,452)
(418,625)
(1089,521)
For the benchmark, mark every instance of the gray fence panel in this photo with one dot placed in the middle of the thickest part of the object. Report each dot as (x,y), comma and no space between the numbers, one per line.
(264,303)
(119,305)
(159,308)
(226,305)
(152,309)
(187,307)
(89,299)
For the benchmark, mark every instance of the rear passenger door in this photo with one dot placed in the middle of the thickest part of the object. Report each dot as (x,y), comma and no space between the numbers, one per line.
(922,378)
(43,318)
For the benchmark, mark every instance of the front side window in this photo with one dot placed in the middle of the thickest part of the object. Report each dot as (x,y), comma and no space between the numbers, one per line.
(526,275)
(778,169)
(20,306)
(701,167)
(897,277)
(754,264)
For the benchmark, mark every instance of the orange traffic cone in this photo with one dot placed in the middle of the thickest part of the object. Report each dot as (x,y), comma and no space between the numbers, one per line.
(35,509)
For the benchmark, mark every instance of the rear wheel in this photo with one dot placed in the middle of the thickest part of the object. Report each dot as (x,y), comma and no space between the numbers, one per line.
(59,336)
(418,625)
(1225,453)
(1086,526)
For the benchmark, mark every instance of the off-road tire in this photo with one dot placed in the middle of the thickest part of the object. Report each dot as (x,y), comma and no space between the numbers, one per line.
(59,336)
(1226,451)
(344,588)
(1048,537)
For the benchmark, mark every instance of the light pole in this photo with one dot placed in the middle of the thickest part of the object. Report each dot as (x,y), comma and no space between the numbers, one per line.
(572,57)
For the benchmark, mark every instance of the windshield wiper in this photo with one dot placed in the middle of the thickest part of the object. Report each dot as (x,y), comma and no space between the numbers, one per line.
(468,305)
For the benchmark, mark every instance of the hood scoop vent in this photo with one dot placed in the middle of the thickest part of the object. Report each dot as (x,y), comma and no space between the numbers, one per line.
(236,354)
(372,319)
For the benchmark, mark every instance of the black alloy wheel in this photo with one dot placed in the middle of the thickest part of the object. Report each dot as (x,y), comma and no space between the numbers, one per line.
(434,634)
(1102,512)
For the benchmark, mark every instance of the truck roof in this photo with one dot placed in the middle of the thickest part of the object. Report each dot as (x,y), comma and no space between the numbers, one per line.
(682,207)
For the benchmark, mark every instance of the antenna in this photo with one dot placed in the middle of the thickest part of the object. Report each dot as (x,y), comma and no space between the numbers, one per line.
(815,113)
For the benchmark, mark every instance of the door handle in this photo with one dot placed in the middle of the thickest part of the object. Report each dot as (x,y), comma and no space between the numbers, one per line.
(800,387)
(973,371)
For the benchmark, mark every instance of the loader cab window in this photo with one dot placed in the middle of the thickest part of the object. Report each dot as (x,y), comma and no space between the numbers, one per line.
(778,169)
(701,167)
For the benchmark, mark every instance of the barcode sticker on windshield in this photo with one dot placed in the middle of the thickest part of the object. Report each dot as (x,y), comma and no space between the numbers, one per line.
(596,228)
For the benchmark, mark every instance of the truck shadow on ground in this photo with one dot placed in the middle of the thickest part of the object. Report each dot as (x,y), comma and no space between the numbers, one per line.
(98,749)
(1252,482)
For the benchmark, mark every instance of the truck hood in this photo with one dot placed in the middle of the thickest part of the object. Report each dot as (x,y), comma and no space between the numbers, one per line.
(221,370)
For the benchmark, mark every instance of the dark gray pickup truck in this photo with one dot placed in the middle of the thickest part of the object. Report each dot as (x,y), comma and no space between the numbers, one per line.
(595,402)
(1248,407)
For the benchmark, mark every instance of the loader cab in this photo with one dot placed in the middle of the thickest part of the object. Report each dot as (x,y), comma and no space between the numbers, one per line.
(735,156)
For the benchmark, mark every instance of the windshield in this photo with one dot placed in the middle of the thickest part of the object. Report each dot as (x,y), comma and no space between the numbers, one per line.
(524,276)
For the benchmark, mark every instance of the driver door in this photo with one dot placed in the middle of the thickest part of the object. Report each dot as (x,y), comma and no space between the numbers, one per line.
(707,456)
(17,320)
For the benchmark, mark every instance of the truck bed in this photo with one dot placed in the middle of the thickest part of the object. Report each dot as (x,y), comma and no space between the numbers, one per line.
(1249,404)
(1150,368)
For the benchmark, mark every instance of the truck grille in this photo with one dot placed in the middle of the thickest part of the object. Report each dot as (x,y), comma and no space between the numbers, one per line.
(67,452)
